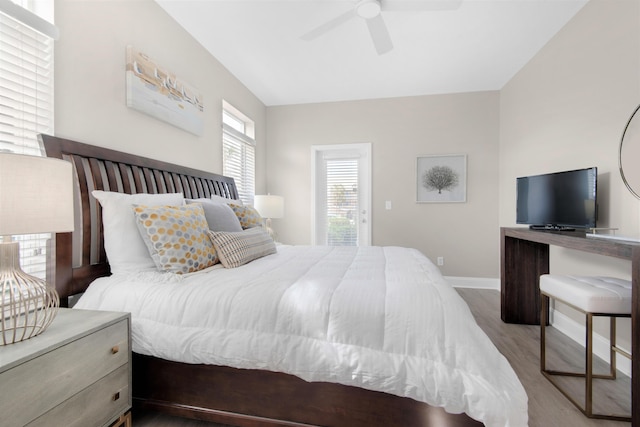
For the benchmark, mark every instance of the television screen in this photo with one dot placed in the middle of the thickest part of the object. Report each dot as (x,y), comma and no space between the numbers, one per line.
(558,200)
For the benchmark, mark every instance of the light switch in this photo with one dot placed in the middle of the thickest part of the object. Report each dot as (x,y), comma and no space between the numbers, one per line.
(387,205)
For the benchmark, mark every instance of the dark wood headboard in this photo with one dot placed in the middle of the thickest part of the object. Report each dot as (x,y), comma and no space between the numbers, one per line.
(79,257)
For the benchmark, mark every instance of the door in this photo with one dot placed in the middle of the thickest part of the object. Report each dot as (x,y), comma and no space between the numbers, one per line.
(341,194)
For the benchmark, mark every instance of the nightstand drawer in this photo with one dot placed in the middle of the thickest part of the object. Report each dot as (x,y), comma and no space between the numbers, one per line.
(93,406)
(38,385)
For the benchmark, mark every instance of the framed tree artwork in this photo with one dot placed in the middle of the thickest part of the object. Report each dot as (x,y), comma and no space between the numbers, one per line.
(441,179)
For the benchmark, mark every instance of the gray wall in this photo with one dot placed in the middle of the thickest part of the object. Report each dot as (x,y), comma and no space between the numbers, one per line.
(399,129)
(90,103)
(567,109)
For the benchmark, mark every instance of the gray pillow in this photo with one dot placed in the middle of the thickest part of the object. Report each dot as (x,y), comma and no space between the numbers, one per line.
(220,216)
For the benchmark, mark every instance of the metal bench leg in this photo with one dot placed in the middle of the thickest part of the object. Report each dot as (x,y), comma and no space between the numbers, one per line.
(543,339)
(589,368)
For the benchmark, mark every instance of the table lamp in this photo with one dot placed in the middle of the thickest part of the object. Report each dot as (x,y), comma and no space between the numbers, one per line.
(269,207)
(36,196)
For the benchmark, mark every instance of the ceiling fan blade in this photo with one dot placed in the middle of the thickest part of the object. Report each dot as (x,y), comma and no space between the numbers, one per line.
(419,5)
(329,25)
(379,35)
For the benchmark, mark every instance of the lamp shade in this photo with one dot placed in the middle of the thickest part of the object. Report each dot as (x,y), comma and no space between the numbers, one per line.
(36,195)
(269,206)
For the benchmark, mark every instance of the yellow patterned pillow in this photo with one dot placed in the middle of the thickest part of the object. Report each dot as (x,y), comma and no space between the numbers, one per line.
(177,237)
(248,216)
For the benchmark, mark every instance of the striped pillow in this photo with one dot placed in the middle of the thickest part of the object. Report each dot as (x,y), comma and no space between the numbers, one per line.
(238,248)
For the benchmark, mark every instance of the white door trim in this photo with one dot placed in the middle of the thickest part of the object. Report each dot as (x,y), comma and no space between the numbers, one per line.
(365,174)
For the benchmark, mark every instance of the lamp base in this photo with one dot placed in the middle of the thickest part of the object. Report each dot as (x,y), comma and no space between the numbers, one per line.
(270,230)
(27,304)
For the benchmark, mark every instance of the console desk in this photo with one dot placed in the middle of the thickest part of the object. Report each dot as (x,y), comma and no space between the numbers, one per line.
(524,256)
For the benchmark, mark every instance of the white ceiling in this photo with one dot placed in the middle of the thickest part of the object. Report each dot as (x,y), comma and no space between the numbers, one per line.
(479,46)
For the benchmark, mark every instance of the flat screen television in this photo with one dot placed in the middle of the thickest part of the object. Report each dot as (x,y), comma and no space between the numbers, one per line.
(558,201)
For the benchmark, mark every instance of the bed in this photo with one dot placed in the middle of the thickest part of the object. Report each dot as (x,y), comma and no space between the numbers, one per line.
(386,379)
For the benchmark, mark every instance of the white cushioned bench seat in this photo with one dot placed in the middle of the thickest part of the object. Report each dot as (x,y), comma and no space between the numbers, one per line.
(594,296)
(588,293)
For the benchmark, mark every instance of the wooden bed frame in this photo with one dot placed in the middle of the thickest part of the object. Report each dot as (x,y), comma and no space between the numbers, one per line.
(238,397)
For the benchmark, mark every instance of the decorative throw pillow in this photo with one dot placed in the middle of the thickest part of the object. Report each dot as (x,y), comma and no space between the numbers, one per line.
(220,216)
(177,237)
(126,251)
(248,216)
(236,249)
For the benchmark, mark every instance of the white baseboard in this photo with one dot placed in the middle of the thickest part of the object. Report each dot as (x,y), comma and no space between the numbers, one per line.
(474,282)
(572,329)
(576,332)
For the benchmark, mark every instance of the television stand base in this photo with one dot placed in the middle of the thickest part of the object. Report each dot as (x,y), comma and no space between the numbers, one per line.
(551,227)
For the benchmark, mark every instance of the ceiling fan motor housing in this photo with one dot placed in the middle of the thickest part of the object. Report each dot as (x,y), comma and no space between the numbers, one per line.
(368,9)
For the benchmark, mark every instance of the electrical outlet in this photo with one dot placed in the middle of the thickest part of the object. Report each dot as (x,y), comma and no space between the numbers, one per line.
(440,261)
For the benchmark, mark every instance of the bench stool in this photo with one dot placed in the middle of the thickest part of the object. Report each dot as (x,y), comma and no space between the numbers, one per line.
(593,296)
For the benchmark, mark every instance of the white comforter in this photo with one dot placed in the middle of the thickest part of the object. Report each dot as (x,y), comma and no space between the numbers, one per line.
(380,318)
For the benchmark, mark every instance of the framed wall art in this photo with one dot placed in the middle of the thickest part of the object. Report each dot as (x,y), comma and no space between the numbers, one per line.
(441,179)
(156,91)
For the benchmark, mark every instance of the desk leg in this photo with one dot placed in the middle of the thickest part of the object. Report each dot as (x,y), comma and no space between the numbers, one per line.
(635,337)
(521,264)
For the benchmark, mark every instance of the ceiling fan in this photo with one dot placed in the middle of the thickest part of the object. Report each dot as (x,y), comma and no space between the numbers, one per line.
(370,11)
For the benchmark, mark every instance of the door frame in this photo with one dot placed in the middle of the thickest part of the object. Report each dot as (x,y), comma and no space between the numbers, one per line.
(365,149)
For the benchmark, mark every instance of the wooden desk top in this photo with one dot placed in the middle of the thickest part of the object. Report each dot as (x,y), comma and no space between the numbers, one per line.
(577,240)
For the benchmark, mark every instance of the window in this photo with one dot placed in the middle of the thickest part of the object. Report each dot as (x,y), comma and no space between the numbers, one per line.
(342,201)
(239,151)
(26,96)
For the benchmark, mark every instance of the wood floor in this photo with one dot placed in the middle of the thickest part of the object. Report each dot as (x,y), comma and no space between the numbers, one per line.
(520,344)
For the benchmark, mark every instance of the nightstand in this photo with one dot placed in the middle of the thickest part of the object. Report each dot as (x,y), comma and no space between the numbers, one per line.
(76,373)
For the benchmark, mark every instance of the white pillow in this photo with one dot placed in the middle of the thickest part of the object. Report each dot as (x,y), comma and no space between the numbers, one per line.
(220,199)
(125,248)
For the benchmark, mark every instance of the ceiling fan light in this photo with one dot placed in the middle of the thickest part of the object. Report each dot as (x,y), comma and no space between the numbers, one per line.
(368,9)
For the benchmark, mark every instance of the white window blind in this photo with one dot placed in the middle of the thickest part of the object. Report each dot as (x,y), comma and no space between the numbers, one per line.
(26,99)
(238,152)
(26,85)
(341,201)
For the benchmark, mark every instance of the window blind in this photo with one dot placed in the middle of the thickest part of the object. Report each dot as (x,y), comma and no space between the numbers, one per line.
(341,202)
(238,160)
(26,86)
(26,102)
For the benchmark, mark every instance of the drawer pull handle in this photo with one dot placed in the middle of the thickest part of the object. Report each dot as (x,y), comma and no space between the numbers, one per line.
(115,349)
(116,396)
